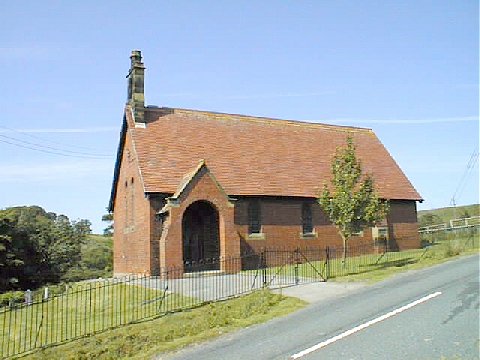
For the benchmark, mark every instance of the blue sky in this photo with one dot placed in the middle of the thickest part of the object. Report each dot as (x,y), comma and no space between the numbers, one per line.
(406,69)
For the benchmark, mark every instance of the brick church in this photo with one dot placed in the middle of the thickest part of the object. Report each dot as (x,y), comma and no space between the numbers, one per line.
(191,185)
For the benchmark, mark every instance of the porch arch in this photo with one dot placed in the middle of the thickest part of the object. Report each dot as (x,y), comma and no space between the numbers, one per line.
(201,236)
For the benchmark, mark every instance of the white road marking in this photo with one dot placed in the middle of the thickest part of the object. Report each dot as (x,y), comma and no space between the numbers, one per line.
(364,325)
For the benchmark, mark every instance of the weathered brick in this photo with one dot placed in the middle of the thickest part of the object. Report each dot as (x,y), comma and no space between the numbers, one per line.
(281,163)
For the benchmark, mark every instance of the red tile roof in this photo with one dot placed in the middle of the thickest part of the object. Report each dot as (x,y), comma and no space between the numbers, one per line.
(255,156)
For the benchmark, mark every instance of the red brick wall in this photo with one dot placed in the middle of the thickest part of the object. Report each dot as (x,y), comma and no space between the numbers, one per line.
(157,202)
(142,248)
(132,218)
(202,188)
(282,226)
(403,226)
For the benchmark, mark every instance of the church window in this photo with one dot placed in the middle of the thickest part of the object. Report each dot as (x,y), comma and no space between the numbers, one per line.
(307,221)
(254,217)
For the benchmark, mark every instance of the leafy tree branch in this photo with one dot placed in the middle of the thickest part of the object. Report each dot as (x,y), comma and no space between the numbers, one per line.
(351,202)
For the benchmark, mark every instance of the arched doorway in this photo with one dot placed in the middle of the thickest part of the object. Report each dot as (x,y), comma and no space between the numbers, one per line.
(200,235)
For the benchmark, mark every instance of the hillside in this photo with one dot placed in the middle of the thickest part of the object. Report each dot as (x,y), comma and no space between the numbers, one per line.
(444,215)
(97,255)
(96,259)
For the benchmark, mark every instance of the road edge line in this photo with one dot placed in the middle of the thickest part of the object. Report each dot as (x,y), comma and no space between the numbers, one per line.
(364,325)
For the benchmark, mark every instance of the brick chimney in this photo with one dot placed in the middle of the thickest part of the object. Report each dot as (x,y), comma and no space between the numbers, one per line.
(136,96)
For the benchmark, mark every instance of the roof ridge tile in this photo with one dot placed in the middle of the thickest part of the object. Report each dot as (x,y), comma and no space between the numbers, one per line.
(263,119)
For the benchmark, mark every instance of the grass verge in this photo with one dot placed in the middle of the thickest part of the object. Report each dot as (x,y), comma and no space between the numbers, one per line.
(411,260)
(174,331)
(373,267)
(366,268)
(83,309)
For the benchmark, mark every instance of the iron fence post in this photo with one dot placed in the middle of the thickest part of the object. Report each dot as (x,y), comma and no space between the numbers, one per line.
(263,264)
(297,260)
(327,263)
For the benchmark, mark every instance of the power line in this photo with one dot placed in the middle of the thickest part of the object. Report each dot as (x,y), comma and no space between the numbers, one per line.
(49,141)
(472,162)
(57,150)
(47,151)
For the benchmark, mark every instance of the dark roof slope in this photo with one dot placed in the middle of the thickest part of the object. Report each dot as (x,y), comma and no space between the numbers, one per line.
(255,156)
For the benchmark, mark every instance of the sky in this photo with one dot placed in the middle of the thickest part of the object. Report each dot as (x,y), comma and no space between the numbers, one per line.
(409,70)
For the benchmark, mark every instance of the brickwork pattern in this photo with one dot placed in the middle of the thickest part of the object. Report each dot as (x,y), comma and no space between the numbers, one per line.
(403,226)
(282,226)
(144,243)
(203,187)
(164,145)
(132,218)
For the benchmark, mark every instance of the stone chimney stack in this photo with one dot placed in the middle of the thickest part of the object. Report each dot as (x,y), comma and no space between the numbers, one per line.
(136,95)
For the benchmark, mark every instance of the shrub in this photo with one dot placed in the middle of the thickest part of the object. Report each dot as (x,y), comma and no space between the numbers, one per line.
(12,297)
(451,248)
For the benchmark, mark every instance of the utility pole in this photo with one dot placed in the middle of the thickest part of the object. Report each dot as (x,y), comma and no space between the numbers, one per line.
(472,162)
(452,202)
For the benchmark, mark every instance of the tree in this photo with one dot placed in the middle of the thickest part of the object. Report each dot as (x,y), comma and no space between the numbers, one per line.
(29,230)
(9,261)
(108,218)
(82,226)
(64,250)
(37,247)
(351,202)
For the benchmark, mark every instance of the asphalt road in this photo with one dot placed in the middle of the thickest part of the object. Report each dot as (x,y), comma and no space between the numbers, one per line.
(426,314)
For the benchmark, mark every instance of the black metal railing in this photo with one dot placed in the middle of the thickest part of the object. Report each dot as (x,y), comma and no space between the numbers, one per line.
(41,319)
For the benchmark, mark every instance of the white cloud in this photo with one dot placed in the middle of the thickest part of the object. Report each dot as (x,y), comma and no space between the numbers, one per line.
(403,121)
(274,96)
(248,96)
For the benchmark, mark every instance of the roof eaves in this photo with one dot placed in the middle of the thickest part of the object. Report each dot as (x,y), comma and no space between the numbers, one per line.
(118,161)
(187,179)
(134,149)
(399,169)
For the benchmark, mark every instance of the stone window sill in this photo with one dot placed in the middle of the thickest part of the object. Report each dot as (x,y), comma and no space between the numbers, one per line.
(256,236)
(129,229)
(308,236)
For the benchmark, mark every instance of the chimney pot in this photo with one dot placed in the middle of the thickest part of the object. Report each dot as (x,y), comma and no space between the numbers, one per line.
(136,57)
(136,97)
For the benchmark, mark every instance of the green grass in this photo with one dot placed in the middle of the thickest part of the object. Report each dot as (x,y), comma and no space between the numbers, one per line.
(84,309)
(376,267)
(174,331)
(395,262)
(91,307)
(100,238)
(448,213)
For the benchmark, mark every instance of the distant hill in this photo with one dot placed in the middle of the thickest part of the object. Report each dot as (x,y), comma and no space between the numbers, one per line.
(444,215)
